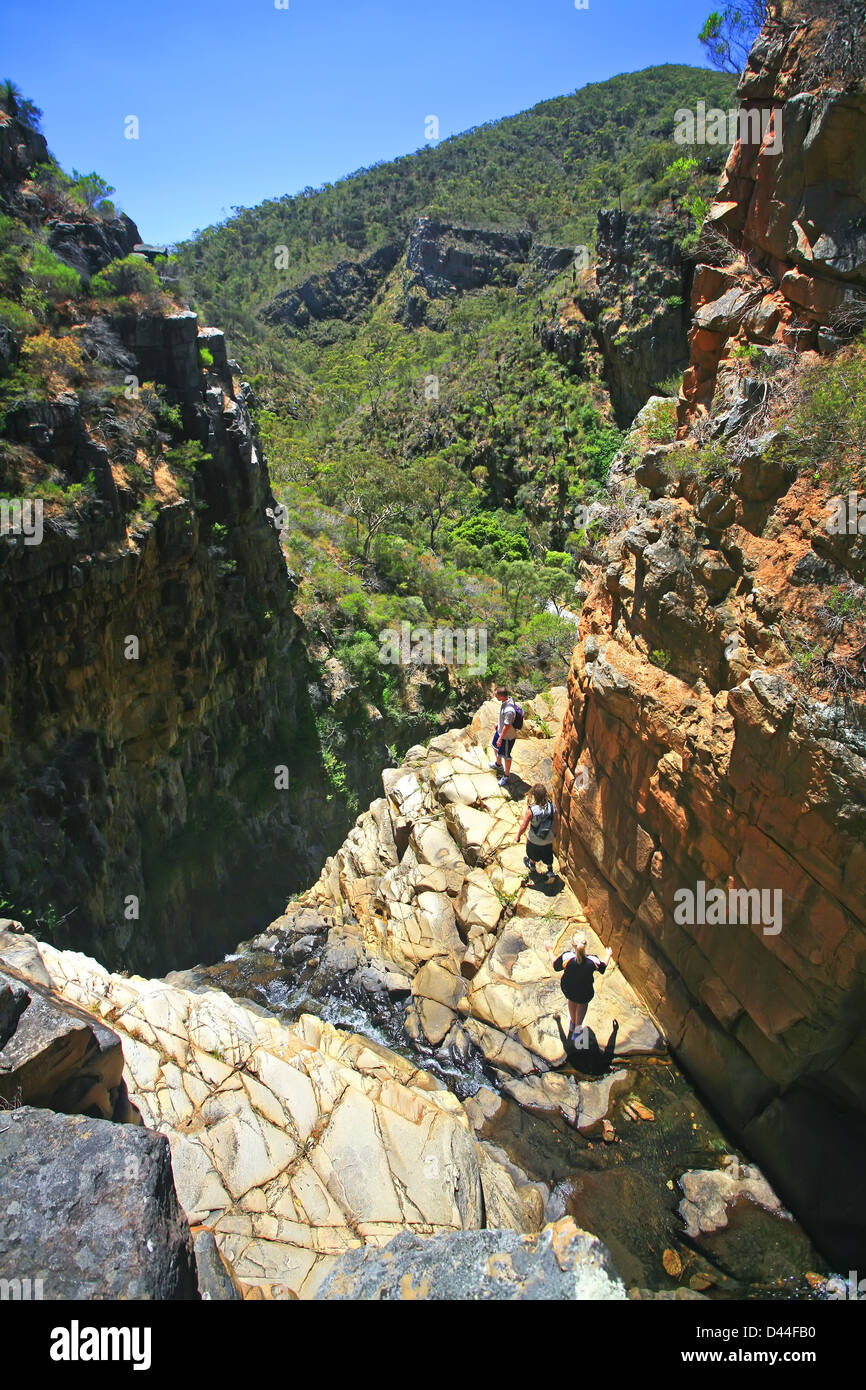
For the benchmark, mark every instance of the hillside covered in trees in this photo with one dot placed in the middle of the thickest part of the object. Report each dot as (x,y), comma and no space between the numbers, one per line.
(435,445)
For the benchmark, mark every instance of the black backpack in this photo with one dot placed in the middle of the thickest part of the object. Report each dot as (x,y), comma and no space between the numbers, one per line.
(517,721)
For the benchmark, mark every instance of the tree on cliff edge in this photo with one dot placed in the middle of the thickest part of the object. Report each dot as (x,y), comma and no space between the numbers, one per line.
(17,105)
(728,34)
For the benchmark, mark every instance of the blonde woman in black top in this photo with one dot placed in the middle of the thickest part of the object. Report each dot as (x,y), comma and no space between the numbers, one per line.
(578,969)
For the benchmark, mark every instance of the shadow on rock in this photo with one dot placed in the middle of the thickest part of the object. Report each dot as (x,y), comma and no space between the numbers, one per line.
(583,1053)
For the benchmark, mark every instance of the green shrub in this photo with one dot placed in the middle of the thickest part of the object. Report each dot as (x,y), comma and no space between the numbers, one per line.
(680,168)
(660,423)
(828,423)
(360,656)
(17,318)
(486,531)
(205,357)
(699,209)
(93,192)
(130,275)
(187,457)
(169,416)
(355,607)
(59,281)
(559,559)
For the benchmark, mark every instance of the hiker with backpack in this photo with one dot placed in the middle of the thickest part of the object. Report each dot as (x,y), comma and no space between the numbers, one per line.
(577,968)
(541,825)
(509,721)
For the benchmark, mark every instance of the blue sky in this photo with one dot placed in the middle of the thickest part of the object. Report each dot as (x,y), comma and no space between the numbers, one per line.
(239,101)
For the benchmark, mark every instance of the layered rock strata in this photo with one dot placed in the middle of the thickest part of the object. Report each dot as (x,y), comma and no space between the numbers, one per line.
(693,756)
(785,235)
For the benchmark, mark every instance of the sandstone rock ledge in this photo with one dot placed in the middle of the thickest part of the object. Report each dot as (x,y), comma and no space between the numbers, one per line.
(431,884)
(292,1144)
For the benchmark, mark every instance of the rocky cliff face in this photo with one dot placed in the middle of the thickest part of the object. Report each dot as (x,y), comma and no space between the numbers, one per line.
(150,680)
(345,292)
(438,260)
(627,316)
(152,684)
(692,757)
(790,264)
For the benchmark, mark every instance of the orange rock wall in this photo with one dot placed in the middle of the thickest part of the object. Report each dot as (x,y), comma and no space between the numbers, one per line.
(675,769)
(661,785)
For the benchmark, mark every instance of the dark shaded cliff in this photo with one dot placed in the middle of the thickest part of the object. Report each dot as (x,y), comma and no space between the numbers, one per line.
(155,725)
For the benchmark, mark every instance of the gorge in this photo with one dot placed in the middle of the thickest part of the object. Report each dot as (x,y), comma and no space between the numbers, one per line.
(374,1096)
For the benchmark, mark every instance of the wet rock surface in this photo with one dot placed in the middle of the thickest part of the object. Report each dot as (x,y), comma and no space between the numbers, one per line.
(708,1195)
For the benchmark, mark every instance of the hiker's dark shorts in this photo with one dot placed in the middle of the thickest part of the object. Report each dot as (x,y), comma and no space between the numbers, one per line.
(542,853)
(504,747)
(582,996)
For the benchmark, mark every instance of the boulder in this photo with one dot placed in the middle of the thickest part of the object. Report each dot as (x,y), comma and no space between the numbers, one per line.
(583,1104)
(561,1262)
(478,904)
(90,1210)
(709,1193)
(56,1055)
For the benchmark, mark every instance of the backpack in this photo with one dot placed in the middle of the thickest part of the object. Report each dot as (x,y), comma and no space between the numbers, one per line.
(542,821)
(517,721)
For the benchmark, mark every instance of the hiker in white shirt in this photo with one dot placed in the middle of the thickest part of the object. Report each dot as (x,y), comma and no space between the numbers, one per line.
(503,739)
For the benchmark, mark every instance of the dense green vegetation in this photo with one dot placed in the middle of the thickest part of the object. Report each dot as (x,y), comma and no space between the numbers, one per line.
(422,466)
(548,169)
(432,474)
(45,318)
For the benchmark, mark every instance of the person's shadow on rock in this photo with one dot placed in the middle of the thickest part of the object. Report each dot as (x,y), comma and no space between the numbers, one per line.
(583,1053)
(551,887)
